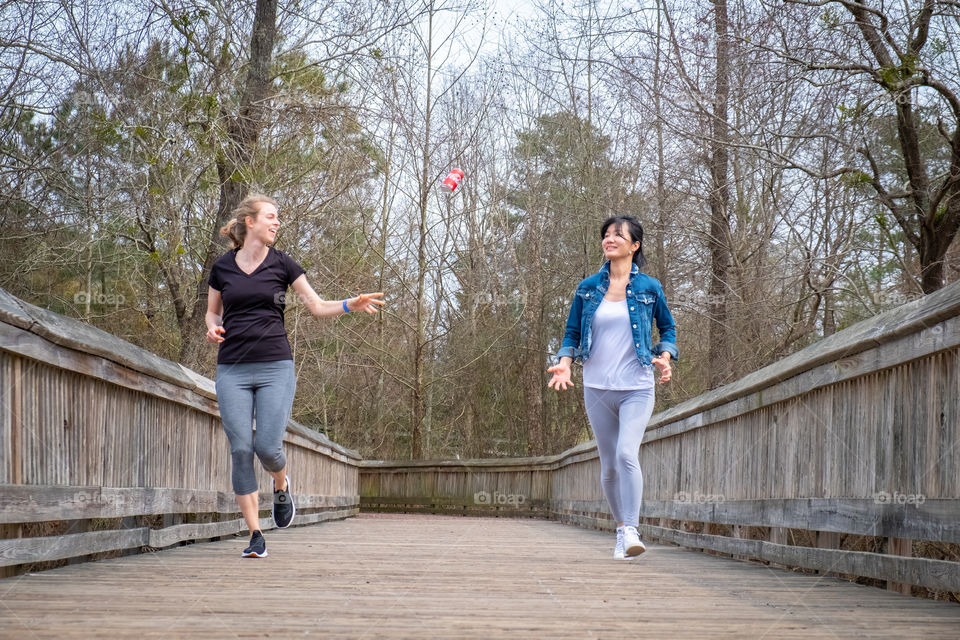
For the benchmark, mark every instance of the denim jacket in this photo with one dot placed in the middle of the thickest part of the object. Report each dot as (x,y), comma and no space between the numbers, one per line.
(646,304)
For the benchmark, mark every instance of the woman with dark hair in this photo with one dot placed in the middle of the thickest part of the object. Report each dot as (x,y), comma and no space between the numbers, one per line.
(255,376)
(610,329)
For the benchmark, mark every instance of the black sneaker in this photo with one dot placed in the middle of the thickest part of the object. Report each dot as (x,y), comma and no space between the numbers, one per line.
(257,548)
(283,507)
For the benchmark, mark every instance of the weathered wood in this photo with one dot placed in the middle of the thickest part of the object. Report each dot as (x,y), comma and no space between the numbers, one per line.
(587,506)
(160,538)
(32,503)
(27,550)
(828,540)
(849,417)
(543,463)
(11,311)
(933,519)
(9,532)
(736,530)
(194,394)
(24,343)
(442,577)
(91,428)
(16,423)
(15,551)
(912,318)
(941,337)
(483,512)
(580,453)
(776,536)
(883,438)
(901,547)
(450,501)
(79,336)
(923,572)
(82,526)
(336,513)
(937,518)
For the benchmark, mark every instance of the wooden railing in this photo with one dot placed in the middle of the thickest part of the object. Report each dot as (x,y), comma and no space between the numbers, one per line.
(106,448)
(842,458)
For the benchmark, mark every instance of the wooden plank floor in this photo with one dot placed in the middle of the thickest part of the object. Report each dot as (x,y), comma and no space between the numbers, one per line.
(407,576)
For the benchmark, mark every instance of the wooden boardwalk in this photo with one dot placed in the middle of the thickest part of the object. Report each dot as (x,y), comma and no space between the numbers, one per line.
(409,576)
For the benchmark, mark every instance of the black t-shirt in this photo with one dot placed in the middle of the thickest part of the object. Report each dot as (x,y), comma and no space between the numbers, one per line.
(253,307)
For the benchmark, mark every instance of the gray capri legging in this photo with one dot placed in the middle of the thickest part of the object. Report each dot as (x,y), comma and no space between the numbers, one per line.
(255,390)
(619,419)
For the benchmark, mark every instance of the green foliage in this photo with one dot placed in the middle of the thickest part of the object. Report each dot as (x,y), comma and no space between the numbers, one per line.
(106,130)
(830,18)
(892,77)
(856,179)
(563,163)
(851,113)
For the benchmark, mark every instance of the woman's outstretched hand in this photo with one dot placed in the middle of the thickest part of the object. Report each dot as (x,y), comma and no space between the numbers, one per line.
(369,302)
(561,375)
(662,363)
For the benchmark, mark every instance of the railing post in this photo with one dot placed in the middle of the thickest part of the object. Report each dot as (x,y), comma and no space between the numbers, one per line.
(9,532)
(828,540)
(16,423)
(777,535)
(738,533)
(900,547)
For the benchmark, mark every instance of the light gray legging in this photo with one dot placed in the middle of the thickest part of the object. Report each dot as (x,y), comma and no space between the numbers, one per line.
(619,419)
(255,389)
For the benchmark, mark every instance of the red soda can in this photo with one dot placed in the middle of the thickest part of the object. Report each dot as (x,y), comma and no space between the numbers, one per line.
(450,183)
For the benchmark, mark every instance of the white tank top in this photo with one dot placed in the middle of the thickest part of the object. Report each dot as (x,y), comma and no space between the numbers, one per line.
(613,362)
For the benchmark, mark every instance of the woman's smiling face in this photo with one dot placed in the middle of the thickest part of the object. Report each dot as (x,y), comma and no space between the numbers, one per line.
(264,227)
(616,242)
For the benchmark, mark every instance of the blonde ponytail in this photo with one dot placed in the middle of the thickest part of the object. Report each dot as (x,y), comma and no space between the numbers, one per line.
(236,229)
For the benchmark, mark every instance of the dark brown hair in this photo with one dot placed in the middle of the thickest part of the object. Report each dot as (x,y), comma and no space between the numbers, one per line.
(634,228)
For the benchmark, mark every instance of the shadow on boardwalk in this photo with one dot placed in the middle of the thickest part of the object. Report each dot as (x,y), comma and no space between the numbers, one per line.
(404,576)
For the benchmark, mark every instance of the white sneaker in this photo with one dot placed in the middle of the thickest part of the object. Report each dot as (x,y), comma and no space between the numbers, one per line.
(632,545)
(618,553)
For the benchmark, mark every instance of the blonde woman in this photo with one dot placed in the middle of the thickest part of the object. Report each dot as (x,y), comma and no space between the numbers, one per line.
(255,375)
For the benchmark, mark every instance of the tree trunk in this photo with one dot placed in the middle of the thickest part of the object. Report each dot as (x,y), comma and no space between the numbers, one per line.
(929,223)
(829,315)
(234,162)
(419,352)
(719,204)
(663,274)
(533,362)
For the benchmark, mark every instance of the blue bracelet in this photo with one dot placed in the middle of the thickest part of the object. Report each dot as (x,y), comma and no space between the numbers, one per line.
(345,309)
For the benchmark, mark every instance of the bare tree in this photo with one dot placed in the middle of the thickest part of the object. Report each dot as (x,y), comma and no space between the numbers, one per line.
(901,51)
